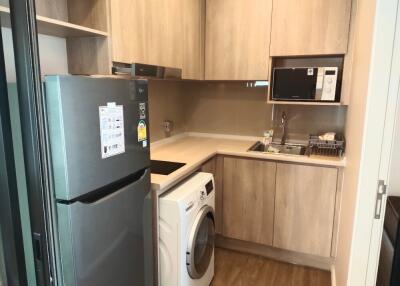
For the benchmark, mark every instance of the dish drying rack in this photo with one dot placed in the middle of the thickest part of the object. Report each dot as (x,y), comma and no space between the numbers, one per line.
(333,148)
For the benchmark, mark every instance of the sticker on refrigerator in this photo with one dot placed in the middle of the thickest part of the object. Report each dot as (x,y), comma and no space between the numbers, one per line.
(141,131)
(112,135)
(142,110)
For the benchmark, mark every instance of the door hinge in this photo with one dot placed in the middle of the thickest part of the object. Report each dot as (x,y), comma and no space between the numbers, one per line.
(381,191)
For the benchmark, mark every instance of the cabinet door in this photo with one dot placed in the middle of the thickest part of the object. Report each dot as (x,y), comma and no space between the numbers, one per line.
(237,39)
(215,167)
(166,32)
(194,36)
(147,32)
(248,199)
(310,27)
(304,208)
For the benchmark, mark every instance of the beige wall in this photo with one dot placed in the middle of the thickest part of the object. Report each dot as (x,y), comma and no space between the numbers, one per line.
(165,103)
(232,108)
(354,133)
(227,108)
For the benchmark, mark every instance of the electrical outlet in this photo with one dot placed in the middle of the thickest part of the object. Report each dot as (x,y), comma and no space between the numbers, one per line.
(167,124)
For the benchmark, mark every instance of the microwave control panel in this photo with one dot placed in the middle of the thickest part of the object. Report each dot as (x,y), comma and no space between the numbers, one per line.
(328,75)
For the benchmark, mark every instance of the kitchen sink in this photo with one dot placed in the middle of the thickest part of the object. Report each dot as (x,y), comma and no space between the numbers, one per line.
(291,149)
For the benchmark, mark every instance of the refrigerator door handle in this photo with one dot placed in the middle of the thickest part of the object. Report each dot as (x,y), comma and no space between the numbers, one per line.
(108,190)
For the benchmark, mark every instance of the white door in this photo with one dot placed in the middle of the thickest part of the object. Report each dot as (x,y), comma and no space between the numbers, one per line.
(391,119)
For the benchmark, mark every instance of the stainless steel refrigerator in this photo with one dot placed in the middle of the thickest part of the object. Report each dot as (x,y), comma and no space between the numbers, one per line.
(99,149)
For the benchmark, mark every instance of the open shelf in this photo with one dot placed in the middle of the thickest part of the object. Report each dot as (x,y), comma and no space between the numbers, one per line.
(53,27)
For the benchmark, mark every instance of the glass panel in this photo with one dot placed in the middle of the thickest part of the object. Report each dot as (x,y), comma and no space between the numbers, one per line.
(8,48)
(3,281)
(204,244)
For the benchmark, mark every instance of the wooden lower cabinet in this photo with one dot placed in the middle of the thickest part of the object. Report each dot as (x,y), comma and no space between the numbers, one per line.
(305,208)
(248,199)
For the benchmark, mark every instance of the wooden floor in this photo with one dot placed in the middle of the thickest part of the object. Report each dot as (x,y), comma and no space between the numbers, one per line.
(238,269)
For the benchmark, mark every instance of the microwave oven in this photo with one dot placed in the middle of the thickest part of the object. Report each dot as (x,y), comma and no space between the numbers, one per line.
(305,84)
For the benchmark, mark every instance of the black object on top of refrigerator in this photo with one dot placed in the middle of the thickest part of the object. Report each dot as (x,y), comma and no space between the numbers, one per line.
(100,163)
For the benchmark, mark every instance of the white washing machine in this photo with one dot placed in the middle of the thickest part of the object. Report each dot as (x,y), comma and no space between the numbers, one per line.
(187,231)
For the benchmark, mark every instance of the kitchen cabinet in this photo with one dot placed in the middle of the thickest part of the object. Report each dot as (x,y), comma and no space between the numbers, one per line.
(237,39)
(310,27)
(149,32)
(305,208)
(193,39)
(83,24)
(248,199)
(215,167)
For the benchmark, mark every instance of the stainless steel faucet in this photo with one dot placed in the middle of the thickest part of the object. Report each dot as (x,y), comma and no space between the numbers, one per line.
(284,128)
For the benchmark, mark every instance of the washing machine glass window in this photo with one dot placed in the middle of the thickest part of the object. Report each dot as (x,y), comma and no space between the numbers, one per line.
(201,243)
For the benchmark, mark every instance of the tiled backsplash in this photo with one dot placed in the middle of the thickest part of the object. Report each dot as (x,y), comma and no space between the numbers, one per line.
(232,108)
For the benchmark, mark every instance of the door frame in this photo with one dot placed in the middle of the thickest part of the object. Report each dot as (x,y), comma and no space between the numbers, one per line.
(10,220)
(30,98)
(376,148)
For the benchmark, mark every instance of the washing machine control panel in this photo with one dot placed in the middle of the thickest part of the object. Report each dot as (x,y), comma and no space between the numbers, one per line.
(209,188)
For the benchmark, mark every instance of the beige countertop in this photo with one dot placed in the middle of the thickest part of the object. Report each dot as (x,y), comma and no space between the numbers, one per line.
(194,151)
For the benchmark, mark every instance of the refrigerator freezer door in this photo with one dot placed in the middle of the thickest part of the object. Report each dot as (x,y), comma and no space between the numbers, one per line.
(74,112)
(108,242)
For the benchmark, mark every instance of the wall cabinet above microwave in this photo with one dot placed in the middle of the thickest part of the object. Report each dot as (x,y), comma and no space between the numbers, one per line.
(310,27)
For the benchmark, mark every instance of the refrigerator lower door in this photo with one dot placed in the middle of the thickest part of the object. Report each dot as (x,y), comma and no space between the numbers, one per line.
(108,242)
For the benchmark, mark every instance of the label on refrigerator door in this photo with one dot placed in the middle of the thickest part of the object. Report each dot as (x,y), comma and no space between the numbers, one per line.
(142,110)
(112,134)
(141,131)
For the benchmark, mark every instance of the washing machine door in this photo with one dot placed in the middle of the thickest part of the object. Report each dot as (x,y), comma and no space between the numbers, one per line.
(201,243)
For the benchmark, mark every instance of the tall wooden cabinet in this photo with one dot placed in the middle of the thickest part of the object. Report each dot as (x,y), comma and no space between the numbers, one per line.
(237,39)
(305,208)
(310,27)
(248,199)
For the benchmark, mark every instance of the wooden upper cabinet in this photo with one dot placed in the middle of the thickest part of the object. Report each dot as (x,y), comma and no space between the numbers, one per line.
(310,27)
(194,37)
(147,32)
(237,39)
(248,199)
(304,208)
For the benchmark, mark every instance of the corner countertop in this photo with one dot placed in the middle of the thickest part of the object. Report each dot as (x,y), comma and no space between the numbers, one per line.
(195,150)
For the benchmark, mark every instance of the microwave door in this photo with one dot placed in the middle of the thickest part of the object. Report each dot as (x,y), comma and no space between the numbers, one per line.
(295,83)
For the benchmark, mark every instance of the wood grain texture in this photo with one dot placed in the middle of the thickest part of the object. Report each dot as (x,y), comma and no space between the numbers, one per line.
(54,27)
(55,9)
(239,269)
(283,255)
(248,199)
(129,31)
(349,58)
(338,204)
(304,208)
(237,39)
(193,39)
(310,27)
(88,56)
(215,167)
(148,32)
(89,13)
